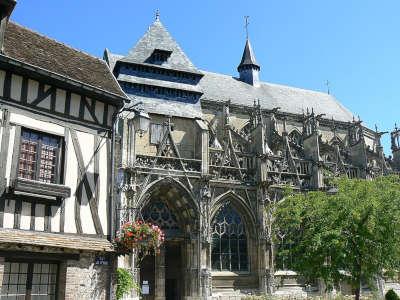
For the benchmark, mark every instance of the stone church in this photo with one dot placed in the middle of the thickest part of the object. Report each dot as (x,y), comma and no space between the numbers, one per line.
(218,149)
(87,144)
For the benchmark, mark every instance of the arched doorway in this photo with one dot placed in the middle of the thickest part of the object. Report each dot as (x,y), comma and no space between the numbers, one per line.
(169,205)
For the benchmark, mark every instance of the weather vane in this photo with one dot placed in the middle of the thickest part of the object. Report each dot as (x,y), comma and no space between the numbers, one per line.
(157,14)
(246,20)
(328,86)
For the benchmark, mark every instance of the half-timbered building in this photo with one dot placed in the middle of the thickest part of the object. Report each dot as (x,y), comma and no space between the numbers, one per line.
(218,152)
(57,110)
(219,149)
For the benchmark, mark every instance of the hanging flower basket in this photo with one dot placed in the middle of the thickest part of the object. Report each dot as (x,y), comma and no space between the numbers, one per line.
(140,236)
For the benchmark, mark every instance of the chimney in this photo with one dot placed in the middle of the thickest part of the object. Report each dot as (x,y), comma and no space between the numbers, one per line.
(6,8)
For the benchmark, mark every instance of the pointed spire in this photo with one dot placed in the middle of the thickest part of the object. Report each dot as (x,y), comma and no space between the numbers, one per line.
(248,67)
(248,57)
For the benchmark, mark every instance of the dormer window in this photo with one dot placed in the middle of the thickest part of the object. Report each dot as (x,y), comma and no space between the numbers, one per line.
(159,56)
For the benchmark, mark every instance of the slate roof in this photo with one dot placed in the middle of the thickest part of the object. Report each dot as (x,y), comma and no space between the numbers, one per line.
(221,88)
(157,37)
(248,57)
(218,87)
(169,107)
(32,48)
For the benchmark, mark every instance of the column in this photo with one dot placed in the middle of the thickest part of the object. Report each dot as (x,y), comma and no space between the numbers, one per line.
(159,289)
(1,271)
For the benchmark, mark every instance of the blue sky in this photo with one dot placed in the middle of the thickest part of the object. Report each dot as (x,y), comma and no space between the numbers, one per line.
(353,44)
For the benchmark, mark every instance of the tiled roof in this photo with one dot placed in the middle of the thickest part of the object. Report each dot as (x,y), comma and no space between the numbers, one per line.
(218,87)
(157,37)
(169,107)
(221,88)
(34,238)
(32,48)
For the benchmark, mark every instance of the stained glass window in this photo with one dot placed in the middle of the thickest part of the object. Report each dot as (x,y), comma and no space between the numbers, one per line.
(158,213)
(229,242)
(39,157)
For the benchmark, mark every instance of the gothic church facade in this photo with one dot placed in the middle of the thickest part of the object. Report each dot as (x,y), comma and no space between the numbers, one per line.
(75,165)
(218,150)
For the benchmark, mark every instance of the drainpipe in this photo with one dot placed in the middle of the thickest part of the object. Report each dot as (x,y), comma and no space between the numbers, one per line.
(111,205)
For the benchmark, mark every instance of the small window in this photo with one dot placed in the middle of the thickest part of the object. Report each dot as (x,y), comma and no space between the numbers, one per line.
(39,157)
(28,280)
(159,56)
(157,133)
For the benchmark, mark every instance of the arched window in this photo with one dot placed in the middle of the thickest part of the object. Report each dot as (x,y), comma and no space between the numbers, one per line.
(229,243)
(158,213)
(295,137)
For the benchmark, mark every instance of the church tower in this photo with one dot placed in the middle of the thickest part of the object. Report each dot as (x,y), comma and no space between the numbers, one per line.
(248,67)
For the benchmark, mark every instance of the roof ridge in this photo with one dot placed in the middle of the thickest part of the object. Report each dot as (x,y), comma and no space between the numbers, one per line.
(54,40)
(271,83)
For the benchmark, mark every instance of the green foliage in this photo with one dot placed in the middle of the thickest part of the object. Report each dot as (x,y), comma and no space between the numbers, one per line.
(391,295)
(264,297)
(293,297)
(352,235)
(125,283)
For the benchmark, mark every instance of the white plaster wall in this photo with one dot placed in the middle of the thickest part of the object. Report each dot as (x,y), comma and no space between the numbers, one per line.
(10,154)
(16,85)
(42,126)
(33,90)
(61,98)
(87,114)
(99,111)
(26,215)
(86,142)
(45,103)
(55,218)
(71,179)
(103,199)
(9,208)
(39,217)
(75,102)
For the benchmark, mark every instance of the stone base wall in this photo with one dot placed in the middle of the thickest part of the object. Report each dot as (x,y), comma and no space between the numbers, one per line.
(84,280)
(1,271)
(80,279)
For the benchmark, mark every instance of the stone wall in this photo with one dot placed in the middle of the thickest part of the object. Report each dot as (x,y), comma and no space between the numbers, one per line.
(1,271)
(84,280)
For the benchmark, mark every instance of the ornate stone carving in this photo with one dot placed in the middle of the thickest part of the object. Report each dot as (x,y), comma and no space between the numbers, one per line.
(205,200)
(206,283)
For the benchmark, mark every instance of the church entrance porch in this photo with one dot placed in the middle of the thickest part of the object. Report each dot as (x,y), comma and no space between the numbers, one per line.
(172,274)
(173,271)
(164,273)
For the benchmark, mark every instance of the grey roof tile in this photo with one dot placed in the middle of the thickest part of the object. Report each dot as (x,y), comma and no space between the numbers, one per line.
(221,88)
(218,87)
(168,107)
(248,57)
(157,37)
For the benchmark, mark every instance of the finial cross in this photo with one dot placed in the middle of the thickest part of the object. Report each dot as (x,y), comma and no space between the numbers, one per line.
(328,86)
(246,25)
